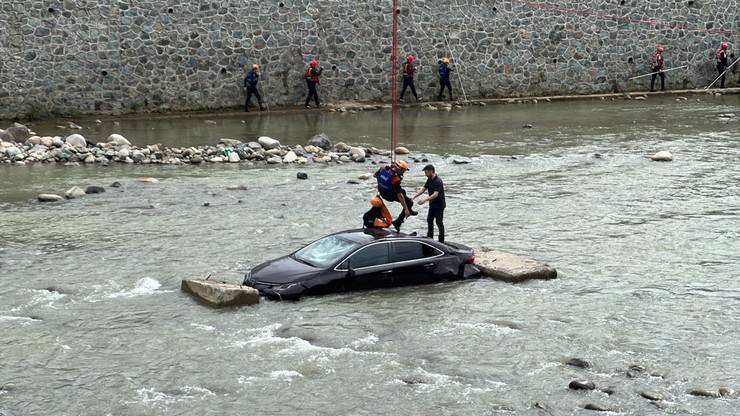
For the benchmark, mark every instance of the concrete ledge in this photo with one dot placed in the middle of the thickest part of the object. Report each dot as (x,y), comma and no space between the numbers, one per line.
(220,294)
(508,267)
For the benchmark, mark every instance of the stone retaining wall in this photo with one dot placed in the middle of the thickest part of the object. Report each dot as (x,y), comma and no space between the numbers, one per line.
(85,56)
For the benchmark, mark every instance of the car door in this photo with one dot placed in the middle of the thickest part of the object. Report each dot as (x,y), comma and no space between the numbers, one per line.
(369,267)
(414,262)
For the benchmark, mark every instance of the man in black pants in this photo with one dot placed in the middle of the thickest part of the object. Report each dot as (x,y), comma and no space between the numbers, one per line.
(436,200)
(722,62)
(312,80)
(658,63)
(444,78)
(408,76)
(250,84)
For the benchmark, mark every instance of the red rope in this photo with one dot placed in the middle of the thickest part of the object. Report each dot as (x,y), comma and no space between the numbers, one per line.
(394,81)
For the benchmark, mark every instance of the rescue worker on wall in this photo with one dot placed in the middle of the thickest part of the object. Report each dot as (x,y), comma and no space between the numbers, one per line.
(658,64)
(722,62)
(312,79)
(408,76)
(389,187)
(250,85)
(444,77)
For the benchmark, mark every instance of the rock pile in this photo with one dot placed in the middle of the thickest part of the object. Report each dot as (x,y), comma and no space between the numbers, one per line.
(18,145)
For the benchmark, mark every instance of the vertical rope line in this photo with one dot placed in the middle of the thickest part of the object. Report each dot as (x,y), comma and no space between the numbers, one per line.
(394,81)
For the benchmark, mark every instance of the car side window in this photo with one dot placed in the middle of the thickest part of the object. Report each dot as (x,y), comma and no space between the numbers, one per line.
(372,255)
(406,250)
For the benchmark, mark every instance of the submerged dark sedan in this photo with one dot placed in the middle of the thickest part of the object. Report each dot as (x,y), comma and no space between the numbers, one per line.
(361,259)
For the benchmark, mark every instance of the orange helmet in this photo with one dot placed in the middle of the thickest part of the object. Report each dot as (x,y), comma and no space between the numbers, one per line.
(402,164)
(445,60)
(255,66)
(376,201)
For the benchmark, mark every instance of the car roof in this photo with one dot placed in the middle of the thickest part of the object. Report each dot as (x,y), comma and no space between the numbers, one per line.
(364,236)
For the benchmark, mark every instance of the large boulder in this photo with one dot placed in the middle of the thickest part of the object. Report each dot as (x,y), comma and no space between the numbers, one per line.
(509,267)
(357,154)
(400,150)
(19,132)
(268,142)
(320,140)
(220,294)
(118,140)
(76,140)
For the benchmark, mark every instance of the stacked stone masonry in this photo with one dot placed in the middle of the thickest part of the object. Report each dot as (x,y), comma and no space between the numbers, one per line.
(113,56)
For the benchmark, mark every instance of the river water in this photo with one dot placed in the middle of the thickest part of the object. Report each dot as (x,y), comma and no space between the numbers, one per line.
(93,321)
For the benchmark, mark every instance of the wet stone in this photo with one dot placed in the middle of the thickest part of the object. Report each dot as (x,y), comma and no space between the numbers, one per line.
(581,385)
(94,190)
(703,393)
(651,395)
(596,407)
(577,362)
(301,175)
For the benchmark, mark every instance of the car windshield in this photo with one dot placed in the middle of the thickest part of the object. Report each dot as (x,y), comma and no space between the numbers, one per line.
(325,252)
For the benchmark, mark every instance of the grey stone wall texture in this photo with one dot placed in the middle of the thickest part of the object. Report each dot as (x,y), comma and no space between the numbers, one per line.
(111,56)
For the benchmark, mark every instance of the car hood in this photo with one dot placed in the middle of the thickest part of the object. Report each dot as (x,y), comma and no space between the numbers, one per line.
(283,270)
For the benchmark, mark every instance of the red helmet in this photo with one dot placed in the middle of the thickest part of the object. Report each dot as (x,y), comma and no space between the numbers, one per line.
(660,49)
(314,63)
(724,45)
(410,58)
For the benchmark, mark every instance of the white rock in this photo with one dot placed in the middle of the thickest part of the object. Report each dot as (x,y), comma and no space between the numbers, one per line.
(356,152)
(341,147)
(400,150)
(138,156)
(50,198)
(74,192)
(365,176)
(312,149)
(290,157)
(461,160)
(217,159)
(57,141)
(148,179)
(76,140)
(301,160)
(118,140)
(74,126)
(322,159)
(37,140)
(510,267)
(662,156)
(47,141)
(234,157)
(90,159)
(268,143)
(124,153)
(275,160)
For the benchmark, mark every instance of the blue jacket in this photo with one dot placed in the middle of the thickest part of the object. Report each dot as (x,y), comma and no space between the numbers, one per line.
(444,71)
(389,183)
(251,79)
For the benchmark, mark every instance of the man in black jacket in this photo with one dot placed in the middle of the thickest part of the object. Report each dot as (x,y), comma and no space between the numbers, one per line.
(436,199)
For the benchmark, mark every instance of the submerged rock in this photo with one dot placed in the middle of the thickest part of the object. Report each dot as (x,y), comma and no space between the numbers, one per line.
(220,294)
(703,393)
(577,362)
(509,267)
(94,190)
(581,385)
(651,395)
(49,198)
(662,156)
(302,175)
(596,407)
(74,192)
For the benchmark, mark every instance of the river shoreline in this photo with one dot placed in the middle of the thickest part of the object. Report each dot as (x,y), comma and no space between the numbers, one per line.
(356,106)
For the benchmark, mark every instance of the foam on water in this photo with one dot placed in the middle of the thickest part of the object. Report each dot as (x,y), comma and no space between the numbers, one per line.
(21,320)
(203,327)
(40,297)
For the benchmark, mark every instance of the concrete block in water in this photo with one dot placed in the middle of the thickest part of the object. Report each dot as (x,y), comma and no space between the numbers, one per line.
(220,294)
(509,267)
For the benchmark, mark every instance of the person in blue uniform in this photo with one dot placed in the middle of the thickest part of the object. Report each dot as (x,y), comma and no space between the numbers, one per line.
(389,187)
